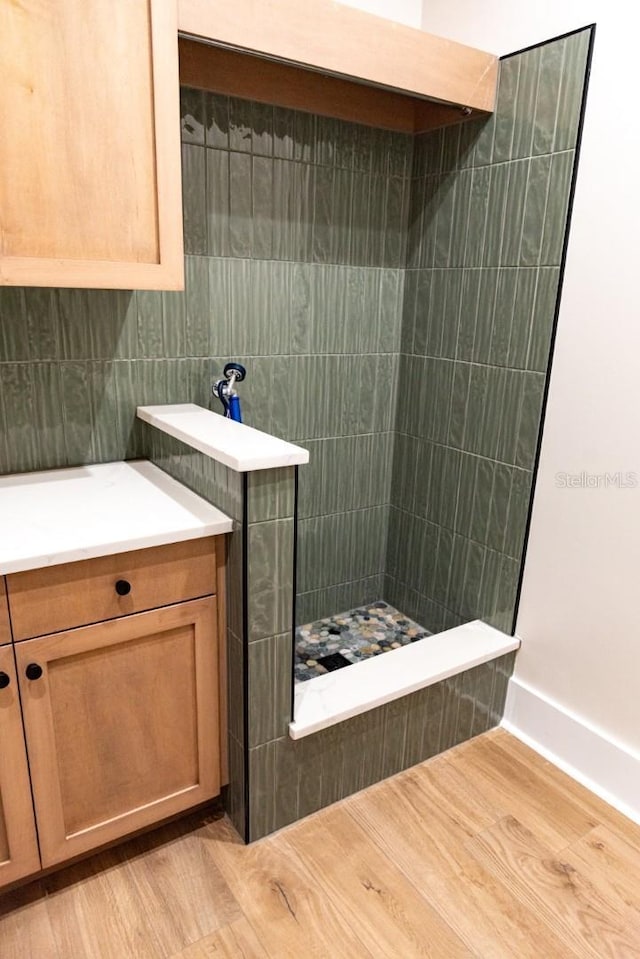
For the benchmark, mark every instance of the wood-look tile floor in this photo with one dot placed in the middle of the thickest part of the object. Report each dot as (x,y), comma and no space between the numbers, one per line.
(486,851)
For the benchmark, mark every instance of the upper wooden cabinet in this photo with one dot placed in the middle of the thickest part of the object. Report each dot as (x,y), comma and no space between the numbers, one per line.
(330,58)
(90,191)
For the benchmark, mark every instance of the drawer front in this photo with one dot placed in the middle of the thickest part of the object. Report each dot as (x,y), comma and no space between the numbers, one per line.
(76,594)
(5,629)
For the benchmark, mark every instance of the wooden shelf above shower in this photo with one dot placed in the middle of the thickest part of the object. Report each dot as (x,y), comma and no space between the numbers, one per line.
(327,58)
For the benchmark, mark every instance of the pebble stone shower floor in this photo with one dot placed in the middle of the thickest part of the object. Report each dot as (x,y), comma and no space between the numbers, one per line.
(348,638)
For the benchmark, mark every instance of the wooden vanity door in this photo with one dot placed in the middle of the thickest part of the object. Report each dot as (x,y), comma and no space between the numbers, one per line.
(121,721)
(18,843)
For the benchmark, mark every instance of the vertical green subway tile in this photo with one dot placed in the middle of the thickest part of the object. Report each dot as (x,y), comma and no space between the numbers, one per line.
(459,401)
(533,224)
(262,129)
(262,790)
(460,221)
(283,132)
(477,220)
(174,324)
(497,509)
(542,319)
(523,319)
(192,115)
(150,324)
(76,410)
(487,597)
(39,328)
(506,109)
(196,318)
(469,294)
(219,314)
(217,121)
(434,307)
(557,206)
(467,493)
(471,581)
(107,444)
(14,343)
(546,109)
(526,102)
(504,319)
(475,408)
(576,48)
(240,221)
(447,196)
(269,668)
(509,254)
(270,578)
(305,136)
(217,202)
(341,216)
(262,209)
(74,311)
(530,411)
(47,424)
(514,527)
(240,124)
(322,208)
(451,316)
(498,191)
(485,482)
(488,284)
(395,224)
(271,494)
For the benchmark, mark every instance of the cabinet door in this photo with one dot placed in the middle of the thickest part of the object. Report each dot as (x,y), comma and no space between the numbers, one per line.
(90,193)
(5,629)
(121,721)
(18,844)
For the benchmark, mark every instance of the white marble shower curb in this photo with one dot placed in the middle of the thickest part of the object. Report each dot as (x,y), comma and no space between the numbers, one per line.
(334,697)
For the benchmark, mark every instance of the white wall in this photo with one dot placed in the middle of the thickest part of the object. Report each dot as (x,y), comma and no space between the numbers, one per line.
(403,11)
(578,620)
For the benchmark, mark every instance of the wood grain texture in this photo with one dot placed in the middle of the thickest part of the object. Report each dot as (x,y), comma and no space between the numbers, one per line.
(5,626)
(223,697)
(253,78)
(61,597)
(337,39)
(423,862)
(93,204)
(18,844)
(122,727)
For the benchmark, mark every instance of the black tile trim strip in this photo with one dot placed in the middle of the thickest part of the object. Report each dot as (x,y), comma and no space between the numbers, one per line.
(561,36)
(554,328)
(245,653)
(294,603)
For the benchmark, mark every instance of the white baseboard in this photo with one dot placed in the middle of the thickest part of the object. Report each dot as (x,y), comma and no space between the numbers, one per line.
(606,767)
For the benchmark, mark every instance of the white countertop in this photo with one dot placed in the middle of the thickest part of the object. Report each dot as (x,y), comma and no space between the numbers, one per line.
(65,515)
(339,695)
(237,445)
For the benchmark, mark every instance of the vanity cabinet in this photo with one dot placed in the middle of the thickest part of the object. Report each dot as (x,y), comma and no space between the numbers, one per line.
(90,192)
(118,668)
(5,629)
(18,842)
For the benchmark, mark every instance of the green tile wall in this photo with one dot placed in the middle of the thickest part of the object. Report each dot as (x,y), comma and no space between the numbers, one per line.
(293,778)
(486,228)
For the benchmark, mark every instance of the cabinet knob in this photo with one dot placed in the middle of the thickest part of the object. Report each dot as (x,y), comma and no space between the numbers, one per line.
(4,680)
(33,671)
(123,587)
